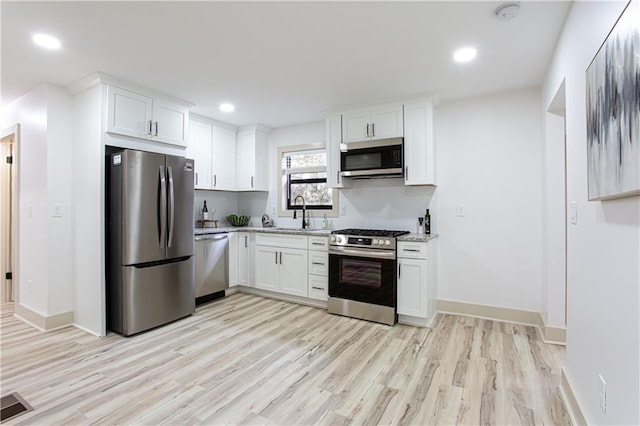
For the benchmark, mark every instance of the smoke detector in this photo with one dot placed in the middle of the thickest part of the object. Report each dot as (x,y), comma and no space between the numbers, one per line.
(507,11)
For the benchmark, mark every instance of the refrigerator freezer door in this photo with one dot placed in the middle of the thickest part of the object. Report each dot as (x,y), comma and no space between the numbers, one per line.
(141,194)
(180,218)
(156,295)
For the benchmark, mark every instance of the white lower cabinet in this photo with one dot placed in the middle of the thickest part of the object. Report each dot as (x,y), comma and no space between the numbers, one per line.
(246,242)
(233,259)
(281,263)
(417,279)
(318,268)
(412,287)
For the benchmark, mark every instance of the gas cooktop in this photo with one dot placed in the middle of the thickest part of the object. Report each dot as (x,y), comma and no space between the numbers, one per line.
(370,232)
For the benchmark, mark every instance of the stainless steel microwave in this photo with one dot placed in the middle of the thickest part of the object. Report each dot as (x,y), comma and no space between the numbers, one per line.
(369,159)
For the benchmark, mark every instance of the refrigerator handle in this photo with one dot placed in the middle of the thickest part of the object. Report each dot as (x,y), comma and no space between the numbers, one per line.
(172,202)
(162,208)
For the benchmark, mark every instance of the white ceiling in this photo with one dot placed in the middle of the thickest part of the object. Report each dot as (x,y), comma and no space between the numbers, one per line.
(281,63)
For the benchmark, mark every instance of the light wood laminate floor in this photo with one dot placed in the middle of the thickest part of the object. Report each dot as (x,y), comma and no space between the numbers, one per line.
(250,360)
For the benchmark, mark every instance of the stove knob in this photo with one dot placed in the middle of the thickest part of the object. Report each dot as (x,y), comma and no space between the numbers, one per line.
(387,242)
(333,239)
(339,239)
(375,242)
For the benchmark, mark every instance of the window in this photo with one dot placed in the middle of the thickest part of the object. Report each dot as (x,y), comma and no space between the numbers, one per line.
(303,172)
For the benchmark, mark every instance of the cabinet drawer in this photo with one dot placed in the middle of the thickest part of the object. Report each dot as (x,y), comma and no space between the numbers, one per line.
(319,263)
(412,250)
(282,240)
(318,287)
(318,243)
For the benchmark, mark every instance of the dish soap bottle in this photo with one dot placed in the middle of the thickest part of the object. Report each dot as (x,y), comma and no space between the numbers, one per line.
(205,211)
(427,222)
(325,222)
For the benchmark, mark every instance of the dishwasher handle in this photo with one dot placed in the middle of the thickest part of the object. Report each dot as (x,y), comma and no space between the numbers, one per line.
(213,237)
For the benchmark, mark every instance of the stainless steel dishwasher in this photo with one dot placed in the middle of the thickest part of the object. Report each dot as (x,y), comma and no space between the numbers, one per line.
(212,258)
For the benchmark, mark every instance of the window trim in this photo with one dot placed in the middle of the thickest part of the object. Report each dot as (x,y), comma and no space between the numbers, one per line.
(282,196)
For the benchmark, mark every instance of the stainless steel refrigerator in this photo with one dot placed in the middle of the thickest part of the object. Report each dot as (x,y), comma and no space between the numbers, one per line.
(150,279)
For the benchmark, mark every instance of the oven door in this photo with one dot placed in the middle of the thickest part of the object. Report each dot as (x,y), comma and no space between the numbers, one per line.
(367,276)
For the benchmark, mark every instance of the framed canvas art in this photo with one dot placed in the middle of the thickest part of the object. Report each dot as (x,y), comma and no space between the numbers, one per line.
(613,111)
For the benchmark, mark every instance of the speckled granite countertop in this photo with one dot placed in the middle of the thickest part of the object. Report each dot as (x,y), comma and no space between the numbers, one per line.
(297,231)
(292,231)
(422,238)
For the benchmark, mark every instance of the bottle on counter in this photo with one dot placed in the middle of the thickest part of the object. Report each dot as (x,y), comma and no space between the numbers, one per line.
(420,225)
(427,222)
(205,211)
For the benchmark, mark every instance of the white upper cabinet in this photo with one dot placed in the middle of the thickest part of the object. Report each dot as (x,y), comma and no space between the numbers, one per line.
(252,165)
(379,122)
(200,151)
(419,146)
(333,140)
(223,163)
(213,148)
(139,116)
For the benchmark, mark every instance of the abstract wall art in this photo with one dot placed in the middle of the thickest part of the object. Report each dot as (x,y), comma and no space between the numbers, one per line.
(613,111)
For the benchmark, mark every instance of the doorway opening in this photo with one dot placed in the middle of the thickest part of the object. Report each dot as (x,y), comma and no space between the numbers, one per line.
(555,188)
(9,139)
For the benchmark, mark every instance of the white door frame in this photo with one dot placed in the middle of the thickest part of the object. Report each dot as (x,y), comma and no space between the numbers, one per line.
(13,132)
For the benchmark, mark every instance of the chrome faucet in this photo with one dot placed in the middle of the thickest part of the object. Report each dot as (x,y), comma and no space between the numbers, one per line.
(304,208)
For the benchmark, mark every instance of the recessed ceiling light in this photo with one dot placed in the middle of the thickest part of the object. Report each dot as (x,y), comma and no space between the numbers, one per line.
(465,54)
(227,107)
(46,41)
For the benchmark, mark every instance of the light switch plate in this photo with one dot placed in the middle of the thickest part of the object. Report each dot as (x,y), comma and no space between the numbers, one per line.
(460,210)
(57,210)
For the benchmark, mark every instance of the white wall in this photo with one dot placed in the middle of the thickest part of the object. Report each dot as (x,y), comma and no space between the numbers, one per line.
(376,203)
(603,318)
(219,203)
(45,246)
(489,154)
(88,188)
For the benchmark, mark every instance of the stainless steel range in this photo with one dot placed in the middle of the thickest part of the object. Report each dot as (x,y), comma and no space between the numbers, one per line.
(362,274)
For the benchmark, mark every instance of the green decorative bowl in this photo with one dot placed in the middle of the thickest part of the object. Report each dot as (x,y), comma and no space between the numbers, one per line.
(235,220)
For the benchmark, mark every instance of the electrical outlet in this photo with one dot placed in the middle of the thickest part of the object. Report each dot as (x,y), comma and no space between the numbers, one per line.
(603,393)
(57,210)
(343,211)
(460,210)
(29,282)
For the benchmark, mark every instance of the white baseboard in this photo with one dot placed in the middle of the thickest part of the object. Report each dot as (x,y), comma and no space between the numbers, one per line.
(41,322)
(553,335)
(570,401)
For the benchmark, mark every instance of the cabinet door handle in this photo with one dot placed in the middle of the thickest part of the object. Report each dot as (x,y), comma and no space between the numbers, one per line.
(281,258)
(338,176)
(276,253)
(156,129)
(317,288)
(412,250)
(245,241)
(317,263)
(399,270)
(196,178)
(373,130)
(367,129)
(317,244)
(150,125)
(252,181)
(215,180)
(406,172)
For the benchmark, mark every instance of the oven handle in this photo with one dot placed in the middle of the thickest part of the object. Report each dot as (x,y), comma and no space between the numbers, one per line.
(374,254)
